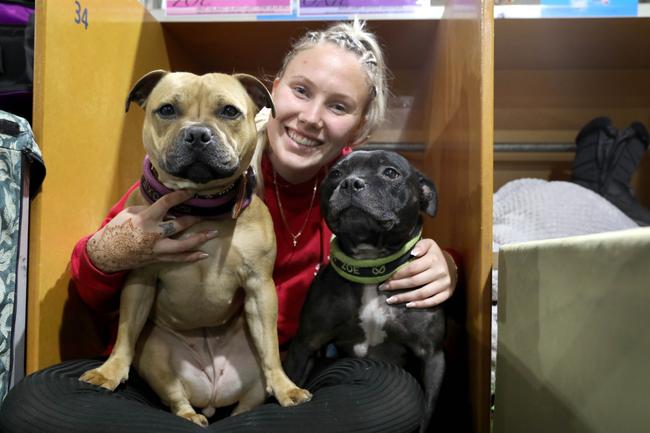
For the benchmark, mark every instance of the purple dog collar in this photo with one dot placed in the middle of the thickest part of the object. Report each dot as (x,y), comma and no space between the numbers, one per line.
(228,203)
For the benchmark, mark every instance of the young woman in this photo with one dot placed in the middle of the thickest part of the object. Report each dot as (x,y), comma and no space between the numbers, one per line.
(329,94)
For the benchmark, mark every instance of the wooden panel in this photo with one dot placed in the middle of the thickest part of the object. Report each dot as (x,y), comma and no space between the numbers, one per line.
(572,43)
(552,101)
(91,148)
(641,181)
(401,40)
(459,158)
(553,76)
(259,47)
(549,166)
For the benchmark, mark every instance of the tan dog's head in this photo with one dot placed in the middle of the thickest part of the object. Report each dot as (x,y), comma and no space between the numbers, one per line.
(199,131)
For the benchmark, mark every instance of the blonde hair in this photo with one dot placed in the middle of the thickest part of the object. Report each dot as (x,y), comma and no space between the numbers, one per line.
(355,38)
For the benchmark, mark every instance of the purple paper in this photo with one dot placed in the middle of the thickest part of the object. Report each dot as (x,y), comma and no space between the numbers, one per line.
(325,7)
(14,15)
(254,7)
(358,3)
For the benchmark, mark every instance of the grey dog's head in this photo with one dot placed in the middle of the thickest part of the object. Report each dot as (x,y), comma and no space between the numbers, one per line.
(199,130)
(375,198)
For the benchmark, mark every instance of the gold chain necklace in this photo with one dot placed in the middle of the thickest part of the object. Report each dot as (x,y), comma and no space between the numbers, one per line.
(284,218)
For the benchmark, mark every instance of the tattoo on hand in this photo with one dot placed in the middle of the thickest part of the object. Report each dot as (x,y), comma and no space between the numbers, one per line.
(121,247)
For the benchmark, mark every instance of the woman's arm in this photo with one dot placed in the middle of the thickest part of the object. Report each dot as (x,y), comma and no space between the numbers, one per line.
(97,288)
(129,238)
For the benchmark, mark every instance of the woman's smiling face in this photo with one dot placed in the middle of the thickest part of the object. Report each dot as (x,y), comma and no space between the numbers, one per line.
(320,103)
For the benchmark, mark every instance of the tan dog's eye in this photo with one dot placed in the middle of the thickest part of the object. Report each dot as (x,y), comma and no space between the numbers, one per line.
(166,111)
(229,112)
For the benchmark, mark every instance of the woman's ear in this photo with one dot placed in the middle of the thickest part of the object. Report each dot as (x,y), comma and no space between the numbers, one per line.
(276,83)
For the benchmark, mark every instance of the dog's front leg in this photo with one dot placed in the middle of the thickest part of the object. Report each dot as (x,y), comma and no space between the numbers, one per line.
(299,361)
(261,309)
(135,305)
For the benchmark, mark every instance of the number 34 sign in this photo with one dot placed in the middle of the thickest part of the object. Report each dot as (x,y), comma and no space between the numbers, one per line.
(80,15)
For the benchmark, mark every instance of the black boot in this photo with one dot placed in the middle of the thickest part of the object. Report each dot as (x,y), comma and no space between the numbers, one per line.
(606,160)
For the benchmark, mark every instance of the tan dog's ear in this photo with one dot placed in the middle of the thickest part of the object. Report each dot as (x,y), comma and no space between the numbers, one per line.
(257,91)
(141,90)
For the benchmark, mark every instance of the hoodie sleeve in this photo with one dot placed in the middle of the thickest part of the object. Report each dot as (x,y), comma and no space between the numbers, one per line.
(98,289)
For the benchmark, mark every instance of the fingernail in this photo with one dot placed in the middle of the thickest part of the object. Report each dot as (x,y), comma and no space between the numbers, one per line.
(415,252)
(391,300)
(203,256)
(212,234)
(383,286)
(410,304)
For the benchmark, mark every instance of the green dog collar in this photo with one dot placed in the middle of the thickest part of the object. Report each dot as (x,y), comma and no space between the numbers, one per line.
(369,271)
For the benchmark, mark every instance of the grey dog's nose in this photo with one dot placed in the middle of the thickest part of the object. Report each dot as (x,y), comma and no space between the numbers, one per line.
(198,136)
(353,184)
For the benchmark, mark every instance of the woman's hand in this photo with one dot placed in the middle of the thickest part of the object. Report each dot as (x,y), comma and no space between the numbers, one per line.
(431,274)
(139,235)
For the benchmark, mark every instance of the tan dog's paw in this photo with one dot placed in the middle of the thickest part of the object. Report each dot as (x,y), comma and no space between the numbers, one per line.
(196,418)
(294,396)
(108,378)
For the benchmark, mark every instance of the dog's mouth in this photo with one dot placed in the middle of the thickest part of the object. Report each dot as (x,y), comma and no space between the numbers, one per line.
(197,155)
(353,218)
(201,168)
(201,172)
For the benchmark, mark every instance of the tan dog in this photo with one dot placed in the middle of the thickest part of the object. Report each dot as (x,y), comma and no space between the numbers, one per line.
(200,348)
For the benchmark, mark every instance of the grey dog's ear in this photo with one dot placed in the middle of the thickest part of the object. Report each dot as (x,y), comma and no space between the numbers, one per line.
(257,91)
(428,194)
(141,90)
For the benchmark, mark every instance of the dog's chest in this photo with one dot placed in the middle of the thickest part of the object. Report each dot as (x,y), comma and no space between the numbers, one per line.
(208,292)
(211,279)
(374,314)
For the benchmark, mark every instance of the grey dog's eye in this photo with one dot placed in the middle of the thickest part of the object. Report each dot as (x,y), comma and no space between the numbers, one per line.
(335,174)
(229,112)
(391,173)
(167,110)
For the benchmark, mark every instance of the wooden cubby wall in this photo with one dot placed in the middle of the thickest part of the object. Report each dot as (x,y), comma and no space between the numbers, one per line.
(554,75)
(93,149)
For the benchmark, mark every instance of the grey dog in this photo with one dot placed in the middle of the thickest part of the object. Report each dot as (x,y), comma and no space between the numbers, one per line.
(372,201)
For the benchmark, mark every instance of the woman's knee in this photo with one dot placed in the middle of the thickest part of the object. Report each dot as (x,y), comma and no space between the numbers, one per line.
(379,392)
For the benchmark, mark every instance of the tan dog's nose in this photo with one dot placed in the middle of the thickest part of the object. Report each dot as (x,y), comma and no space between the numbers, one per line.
(197,136)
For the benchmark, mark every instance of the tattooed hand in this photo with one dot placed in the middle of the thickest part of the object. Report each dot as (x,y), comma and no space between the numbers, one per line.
(139,235)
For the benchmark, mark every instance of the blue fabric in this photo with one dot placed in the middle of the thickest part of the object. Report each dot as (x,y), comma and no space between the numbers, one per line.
(16,146)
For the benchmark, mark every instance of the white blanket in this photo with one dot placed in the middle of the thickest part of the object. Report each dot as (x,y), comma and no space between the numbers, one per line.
(535,209)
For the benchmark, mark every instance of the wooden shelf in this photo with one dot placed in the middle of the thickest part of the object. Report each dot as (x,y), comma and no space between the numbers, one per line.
(441,64)
(553,75)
